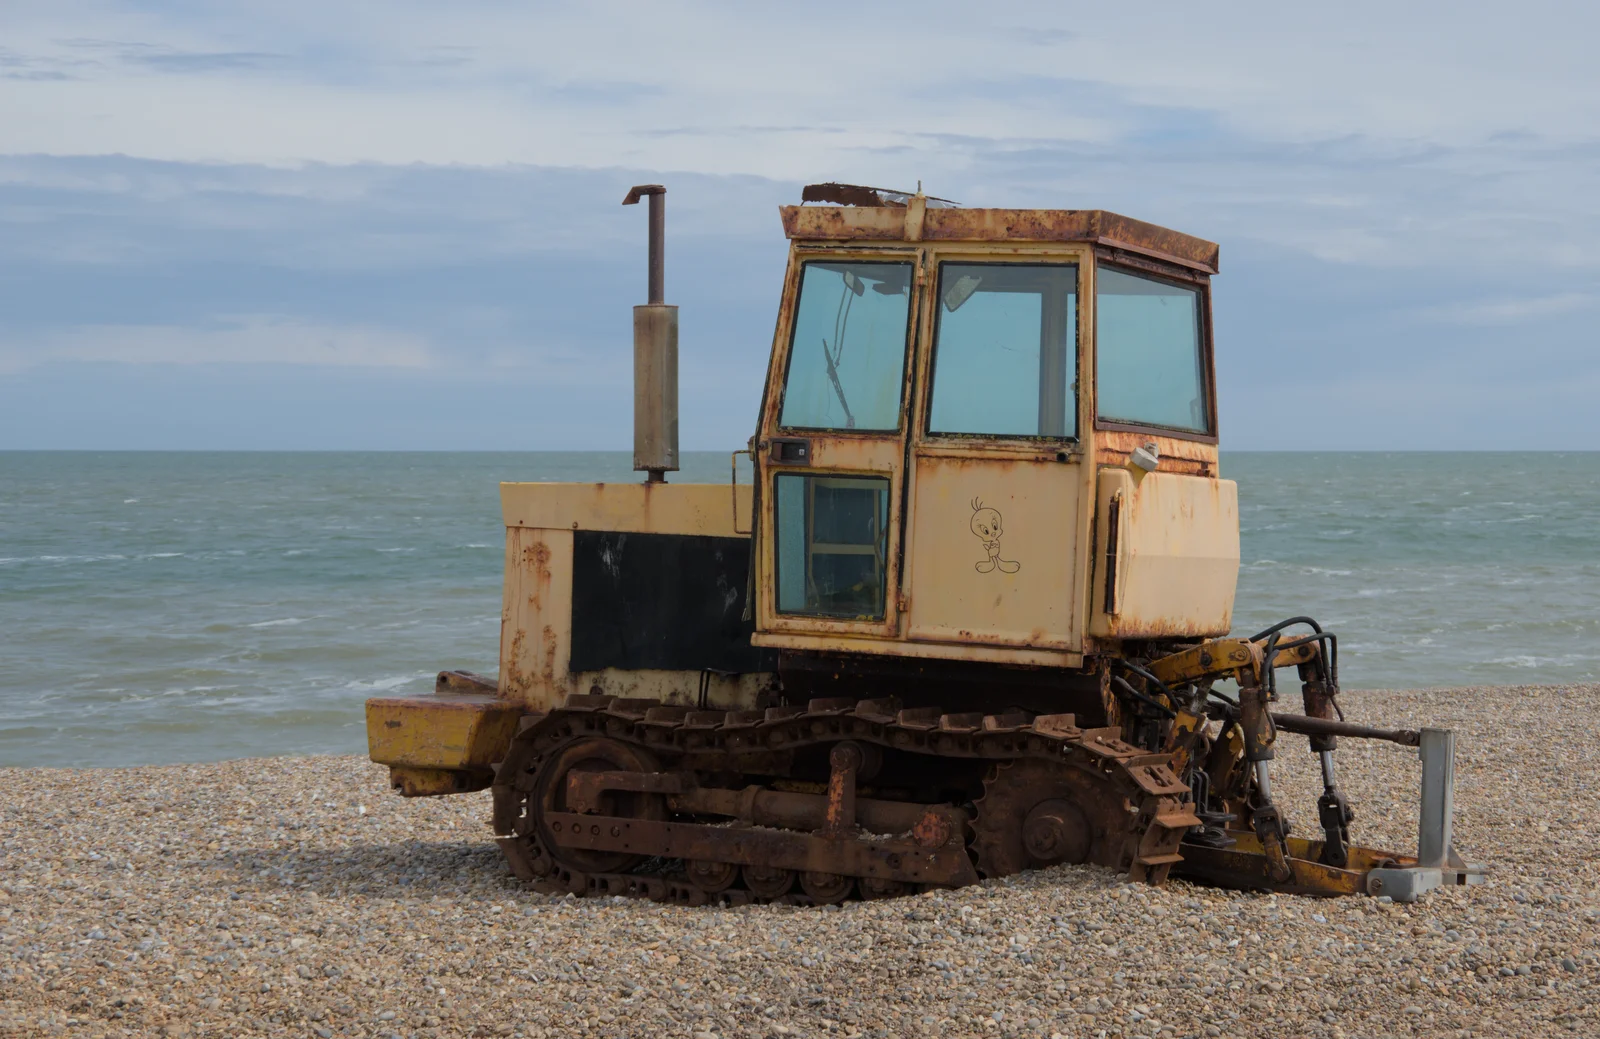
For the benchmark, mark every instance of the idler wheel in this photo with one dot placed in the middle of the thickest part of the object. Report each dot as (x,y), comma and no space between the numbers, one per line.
(768,881)
(1056,831)
(826,888)
(593,754)
(712,877)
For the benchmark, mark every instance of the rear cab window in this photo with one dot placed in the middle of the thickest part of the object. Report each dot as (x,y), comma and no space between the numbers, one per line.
(1150,360)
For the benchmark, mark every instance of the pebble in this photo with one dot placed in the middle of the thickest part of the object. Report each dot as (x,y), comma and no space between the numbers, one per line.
(255,898)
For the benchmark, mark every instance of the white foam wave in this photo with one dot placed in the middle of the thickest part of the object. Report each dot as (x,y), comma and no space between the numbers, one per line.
(280,623)
(385,684)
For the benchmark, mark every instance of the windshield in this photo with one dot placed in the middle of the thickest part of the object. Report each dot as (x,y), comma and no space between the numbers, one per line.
(847,354)
(1150,370)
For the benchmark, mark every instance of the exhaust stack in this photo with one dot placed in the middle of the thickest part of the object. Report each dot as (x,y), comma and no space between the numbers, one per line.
(655,356)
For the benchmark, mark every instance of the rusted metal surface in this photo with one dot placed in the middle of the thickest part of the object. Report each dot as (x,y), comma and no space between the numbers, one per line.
(946,866)
(827,840)
(1326,727)
(1178,454)
(655,354)
(437,782)
(464,682)
(876,223)
(657,194)
(860,195)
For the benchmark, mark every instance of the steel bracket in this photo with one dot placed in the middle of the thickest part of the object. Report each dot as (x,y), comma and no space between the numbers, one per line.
(1438,862)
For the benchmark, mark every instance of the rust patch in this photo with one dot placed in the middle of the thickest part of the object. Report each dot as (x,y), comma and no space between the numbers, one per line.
(549,644)
(1178,455)
(825,223)
(540,565)
(1003,225)
(516,679)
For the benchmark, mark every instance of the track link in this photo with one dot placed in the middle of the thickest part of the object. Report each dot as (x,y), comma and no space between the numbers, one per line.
(1124,806)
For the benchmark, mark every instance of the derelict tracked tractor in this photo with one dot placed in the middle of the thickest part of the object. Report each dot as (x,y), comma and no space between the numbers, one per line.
(969,618)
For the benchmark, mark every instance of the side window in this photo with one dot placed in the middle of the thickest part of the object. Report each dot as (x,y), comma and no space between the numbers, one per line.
(1150,370)
(833,544)
(847,355)
(1005,357)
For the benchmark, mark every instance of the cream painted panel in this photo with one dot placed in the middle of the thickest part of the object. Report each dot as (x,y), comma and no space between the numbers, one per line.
(633,508)
(536,617)
(1177,555)
(992,552)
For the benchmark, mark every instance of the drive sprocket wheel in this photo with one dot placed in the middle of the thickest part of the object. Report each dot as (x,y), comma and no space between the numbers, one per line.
(1039,813)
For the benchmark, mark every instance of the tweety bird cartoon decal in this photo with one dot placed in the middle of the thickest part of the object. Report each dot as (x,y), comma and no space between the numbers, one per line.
(986,525)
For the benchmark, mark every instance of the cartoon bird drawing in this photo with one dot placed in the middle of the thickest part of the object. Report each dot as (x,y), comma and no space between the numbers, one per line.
(986,525)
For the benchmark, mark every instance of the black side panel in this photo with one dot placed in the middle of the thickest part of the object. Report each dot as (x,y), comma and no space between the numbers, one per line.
(661,601)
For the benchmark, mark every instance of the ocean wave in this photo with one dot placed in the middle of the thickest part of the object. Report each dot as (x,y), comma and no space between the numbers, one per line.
(280,623)
(385,684)
(63,559)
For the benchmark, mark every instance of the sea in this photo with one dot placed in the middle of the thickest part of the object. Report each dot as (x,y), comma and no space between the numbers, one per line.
(176,607)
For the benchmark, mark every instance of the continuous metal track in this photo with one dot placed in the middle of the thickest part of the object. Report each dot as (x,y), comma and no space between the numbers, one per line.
(616,796)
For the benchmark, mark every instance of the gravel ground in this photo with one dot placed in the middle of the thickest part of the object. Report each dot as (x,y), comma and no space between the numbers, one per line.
(299,897)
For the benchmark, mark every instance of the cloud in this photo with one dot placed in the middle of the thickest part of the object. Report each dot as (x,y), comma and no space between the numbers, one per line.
(1509,311)
(244,339)
(401,191)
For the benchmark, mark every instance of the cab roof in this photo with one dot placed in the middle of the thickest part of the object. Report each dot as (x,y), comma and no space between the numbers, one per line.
(879,215)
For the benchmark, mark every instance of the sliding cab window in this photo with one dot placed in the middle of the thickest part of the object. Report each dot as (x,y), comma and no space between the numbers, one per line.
(847,355)
(833,542)
(1149,361)
(1005,351)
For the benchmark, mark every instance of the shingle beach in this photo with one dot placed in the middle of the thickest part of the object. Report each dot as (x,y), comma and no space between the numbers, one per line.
(299,897)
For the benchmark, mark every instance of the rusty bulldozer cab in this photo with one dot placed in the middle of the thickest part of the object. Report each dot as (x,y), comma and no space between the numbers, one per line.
(969,618)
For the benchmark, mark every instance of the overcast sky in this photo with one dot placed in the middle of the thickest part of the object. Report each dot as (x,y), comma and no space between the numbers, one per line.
(395,225)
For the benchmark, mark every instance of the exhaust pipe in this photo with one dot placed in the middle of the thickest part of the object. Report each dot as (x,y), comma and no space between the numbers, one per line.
(655,356)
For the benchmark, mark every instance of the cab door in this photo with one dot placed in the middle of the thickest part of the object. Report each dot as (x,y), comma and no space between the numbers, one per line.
(832,458)
(996,484)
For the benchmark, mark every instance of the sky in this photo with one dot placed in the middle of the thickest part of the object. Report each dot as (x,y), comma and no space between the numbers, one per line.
(397,225)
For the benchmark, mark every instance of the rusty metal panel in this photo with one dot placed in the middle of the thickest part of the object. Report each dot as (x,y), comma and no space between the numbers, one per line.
(1124,232)
(852,223)
(830,223)
(440,732)
(1166,555)
(536,616)
(993,552)
(996,225)
(1178,454)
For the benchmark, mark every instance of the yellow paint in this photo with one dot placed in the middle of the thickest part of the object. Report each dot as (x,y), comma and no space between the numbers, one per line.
(440,732)
(1177,555)
(536,608)
(642,508)
(536,615)
(994,552)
